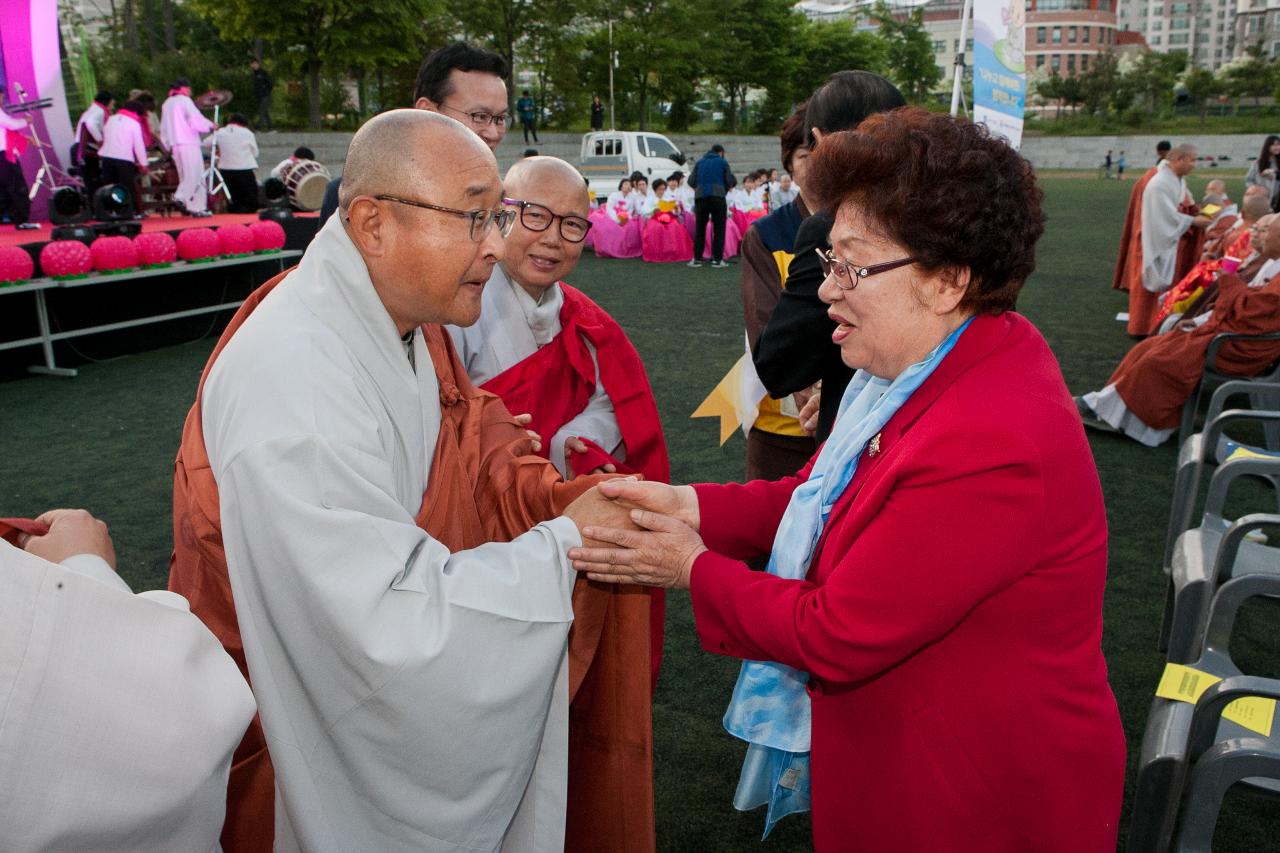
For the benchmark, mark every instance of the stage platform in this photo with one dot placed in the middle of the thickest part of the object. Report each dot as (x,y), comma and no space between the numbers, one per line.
(304,222)
(49,326)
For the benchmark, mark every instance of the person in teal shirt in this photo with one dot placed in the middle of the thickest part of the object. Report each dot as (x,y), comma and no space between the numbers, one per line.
(526,109)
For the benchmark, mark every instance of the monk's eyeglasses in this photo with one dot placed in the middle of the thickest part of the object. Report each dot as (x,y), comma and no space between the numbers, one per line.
(481,220)
(847,275)
(537,217)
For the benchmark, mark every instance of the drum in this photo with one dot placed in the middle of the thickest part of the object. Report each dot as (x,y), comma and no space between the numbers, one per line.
(305,181)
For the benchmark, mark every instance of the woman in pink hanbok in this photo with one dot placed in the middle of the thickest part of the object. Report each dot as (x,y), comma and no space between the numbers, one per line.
(665,240)
(613,226)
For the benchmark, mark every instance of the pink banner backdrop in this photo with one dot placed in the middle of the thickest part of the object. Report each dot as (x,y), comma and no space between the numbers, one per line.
(29,45)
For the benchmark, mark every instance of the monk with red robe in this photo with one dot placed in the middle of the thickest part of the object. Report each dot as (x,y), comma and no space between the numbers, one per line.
(547,349)
(482,487)
(1144,396)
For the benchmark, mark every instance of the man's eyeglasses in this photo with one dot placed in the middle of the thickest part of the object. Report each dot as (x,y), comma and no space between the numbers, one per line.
(481,220)
(480,119)
(847,275)
(536,217)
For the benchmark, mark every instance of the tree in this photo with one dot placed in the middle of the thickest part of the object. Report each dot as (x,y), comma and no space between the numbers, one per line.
(335,33)
(1152,77)
(1248,75)
(748,44)
(1202,85)
(1101,85)
(1050,88)
(908,50)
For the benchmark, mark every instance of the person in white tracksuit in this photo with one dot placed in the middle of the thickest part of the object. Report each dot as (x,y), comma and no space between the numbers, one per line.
(181,124)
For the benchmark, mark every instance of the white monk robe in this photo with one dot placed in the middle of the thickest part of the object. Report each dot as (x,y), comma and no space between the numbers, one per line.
(1162,226)
(118,713)
(513,327)
(412,699)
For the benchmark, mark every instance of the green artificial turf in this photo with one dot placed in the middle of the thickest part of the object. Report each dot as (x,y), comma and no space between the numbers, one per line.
(106,441)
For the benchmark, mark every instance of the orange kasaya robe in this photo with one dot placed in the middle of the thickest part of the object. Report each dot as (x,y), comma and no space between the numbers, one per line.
(1129,258)
(1233,243)
(1155,377)
(481,488)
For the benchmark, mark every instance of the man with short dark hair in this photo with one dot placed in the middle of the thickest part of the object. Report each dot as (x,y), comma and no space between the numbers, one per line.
(463,82)
(89,129)
(711,180)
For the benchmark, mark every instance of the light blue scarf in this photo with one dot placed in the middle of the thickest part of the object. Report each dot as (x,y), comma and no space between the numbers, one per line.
(770,708)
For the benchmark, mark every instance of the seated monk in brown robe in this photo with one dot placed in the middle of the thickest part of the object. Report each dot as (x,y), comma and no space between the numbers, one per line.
(1144,397)
(1220,242)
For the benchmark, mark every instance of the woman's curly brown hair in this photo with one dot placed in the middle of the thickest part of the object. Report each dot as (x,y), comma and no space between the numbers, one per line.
(945,190)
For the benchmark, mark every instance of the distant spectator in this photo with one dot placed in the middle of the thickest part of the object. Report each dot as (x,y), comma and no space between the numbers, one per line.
(1262,172)
(597,113)
(527,110)
(1106,165)
(262,86)
(238,162)
(1120,164)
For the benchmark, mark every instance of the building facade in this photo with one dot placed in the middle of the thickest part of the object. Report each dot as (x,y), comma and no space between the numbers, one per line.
(1067,36)
(1205,29)
(1257,23)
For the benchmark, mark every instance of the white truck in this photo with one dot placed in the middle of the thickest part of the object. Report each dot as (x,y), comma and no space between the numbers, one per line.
(608,156)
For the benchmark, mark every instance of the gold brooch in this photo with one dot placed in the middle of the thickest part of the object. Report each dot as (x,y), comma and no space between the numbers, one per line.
(874,447)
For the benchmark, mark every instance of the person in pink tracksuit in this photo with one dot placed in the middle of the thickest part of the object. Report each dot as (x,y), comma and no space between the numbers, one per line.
(181,124)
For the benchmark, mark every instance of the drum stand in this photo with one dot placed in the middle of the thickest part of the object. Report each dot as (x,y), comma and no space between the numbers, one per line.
(48,174)
(212,177)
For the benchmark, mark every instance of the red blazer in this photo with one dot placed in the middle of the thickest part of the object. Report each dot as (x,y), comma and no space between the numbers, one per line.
(951,619)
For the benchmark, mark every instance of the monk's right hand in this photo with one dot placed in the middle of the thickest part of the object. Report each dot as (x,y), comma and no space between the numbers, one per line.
(679,502)
(535,440)
(71,532)
(593,509)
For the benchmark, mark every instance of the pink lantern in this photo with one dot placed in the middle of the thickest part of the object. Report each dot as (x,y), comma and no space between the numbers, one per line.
(114,254)
(66,259)
(16,265)
(236,240)
(156,249)
(198,244)
(268,235)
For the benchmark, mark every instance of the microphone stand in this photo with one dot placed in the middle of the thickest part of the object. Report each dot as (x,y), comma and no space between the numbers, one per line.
(48,174)
(212,176)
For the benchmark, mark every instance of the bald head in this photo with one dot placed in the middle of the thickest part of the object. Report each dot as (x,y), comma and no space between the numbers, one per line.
(542,172)
(1255,206)
(1182,158)
(1216,187)
(546,242)
(1254,189)
(407,153)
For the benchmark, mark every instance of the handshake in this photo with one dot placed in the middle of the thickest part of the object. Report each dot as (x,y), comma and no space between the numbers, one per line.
(637,531)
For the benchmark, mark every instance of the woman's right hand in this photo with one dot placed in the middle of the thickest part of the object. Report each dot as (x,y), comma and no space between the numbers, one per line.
(680,502)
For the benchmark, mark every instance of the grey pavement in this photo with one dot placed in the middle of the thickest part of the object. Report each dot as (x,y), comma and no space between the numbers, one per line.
(746,153)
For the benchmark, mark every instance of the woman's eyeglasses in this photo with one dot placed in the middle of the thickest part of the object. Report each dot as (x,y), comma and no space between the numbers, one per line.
(847,274)
(537,217)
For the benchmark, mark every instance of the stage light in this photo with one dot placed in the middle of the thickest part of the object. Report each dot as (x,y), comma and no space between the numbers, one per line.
(81,233)
(67,206)
(276,214)
(112,203)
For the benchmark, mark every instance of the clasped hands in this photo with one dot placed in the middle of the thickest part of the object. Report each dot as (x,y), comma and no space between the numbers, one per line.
(636,531)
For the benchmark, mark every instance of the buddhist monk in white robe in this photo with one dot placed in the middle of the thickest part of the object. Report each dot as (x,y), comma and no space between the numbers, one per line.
(118,712)
(411,698)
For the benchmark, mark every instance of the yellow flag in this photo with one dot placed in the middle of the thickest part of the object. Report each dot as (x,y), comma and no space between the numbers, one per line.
(735,400)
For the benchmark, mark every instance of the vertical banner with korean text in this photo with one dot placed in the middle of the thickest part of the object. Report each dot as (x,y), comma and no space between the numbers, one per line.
(999,66)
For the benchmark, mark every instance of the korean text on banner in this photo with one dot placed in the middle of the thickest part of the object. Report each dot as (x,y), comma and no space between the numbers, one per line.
(999,66)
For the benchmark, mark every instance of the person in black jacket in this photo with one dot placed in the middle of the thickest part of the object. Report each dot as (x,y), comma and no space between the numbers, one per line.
(262,86)
(795,350)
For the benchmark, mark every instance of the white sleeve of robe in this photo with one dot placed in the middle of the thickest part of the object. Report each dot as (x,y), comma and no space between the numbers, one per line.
(404,690)
(1162,226)
(597,421)
(118,714)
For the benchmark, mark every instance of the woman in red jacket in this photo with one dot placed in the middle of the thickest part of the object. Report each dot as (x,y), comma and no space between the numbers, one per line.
(922,656)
